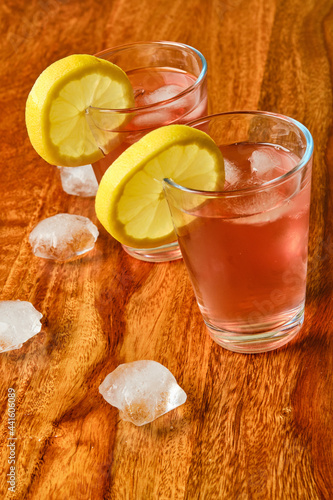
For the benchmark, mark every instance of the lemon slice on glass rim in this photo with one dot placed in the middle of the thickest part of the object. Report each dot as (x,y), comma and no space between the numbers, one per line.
(57,103)
(130,201)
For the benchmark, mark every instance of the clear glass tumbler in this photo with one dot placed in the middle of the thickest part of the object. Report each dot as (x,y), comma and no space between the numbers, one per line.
(170,86)
(245,244)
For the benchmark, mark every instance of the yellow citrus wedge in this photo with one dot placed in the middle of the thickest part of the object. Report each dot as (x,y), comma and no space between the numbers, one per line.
(130,201)
(55,109)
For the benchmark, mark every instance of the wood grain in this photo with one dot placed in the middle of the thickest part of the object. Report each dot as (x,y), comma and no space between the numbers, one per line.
(254,426)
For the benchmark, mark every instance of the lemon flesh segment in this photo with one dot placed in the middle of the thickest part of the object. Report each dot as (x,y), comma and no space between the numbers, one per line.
(130,201)
(56,107)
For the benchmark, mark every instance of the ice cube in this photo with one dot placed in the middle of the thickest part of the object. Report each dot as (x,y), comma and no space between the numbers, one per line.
(19,321)
(159,95)
(79,181)
(265,163)
(232,175)
(142,391)
(161,115)
(63,237)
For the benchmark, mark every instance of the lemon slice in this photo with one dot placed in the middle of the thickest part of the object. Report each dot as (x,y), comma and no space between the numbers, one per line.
(130,201)
(56,107)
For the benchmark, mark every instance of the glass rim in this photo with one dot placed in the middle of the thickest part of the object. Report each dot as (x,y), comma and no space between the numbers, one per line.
(267,184)
(155,105)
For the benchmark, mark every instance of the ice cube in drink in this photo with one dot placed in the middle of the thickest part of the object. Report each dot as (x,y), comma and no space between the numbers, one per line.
(153,86)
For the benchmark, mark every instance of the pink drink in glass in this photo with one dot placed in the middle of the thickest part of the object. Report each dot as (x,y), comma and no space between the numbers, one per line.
(245,244)
(170,86)
(252,269)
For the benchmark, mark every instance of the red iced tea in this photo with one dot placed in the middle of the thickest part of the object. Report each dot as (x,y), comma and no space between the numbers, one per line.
(247,254)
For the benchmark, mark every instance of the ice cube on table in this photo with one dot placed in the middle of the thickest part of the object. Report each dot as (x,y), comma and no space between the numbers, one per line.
(79,181)
(63,237)
(142,391)
(19,321)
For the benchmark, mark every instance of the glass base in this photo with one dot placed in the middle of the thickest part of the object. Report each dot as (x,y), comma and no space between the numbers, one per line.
(164,253)
(257,342)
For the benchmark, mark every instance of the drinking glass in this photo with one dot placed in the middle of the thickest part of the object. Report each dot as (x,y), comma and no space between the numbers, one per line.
(245,244)
(170,86)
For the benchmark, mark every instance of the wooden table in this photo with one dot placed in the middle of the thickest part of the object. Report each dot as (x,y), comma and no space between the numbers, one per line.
(254,426)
